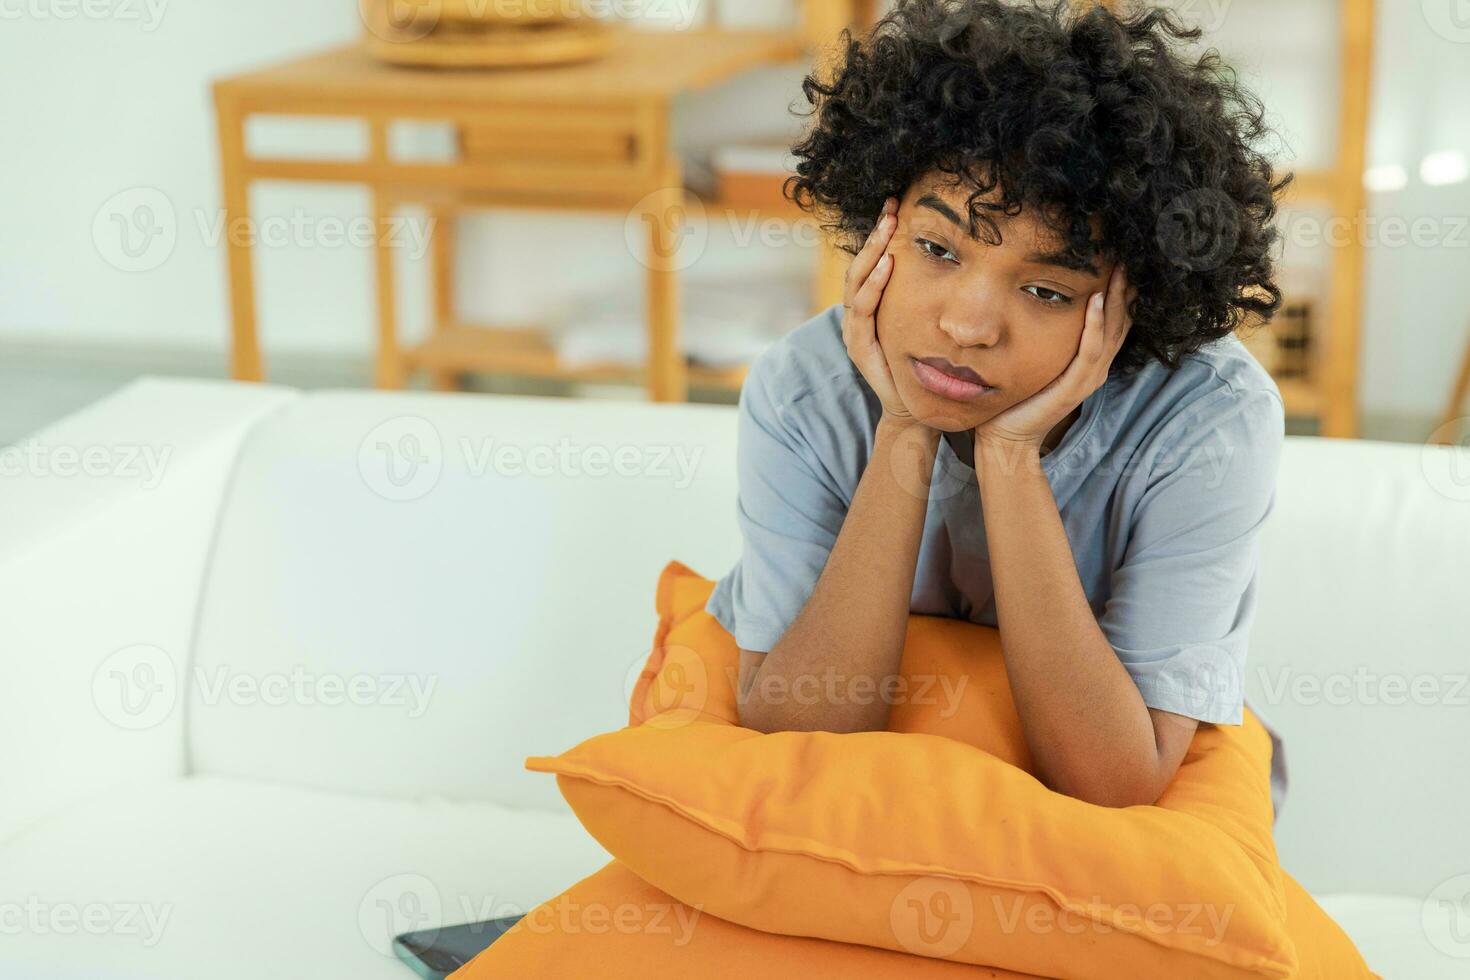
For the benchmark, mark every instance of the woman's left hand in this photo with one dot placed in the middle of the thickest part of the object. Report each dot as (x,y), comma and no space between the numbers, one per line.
(1105,326)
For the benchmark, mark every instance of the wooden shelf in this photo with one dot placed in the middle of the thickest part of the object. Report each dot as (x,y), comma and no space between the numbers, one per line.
(592,135)
(1302,397)
(640,63)
(470,199)
(529,350)
(1314,187)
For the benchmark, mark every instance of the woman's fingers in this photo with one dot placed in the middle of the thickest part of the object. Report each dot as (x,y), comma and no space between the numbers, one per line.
(867,277)
(1117,302)
(865,302)
(867,258)
(1104,327)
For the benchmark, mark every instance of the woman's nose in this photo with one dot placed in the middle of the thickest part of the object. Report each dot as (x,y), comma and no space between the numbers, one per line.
(973,328)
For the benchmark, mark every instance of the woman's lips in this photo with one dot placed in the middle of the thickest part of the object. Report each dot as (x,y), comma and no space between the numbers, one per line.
(947,385)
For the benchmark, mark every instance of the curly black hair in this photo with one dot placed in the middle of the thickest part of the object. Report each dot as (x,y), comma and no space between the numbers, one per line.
(1073,111)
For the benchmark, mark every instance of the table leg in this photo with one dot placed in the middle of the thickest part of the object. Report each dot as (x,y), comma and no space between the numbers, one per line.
(443,232)
(245,364)
(1445,433)
(390,373)
(664,221)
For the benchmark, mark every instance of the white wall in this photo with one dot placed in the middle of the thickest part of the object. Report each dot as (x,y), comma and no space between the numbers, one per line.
(108,96)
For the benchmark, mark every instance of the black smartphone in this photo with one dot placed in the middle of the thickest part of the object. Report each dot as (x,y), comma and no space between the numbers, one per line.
(436,953)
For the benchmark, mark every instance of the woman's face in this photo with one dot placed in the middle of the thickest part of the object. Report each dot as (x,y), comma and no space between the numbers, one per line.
(1007,312)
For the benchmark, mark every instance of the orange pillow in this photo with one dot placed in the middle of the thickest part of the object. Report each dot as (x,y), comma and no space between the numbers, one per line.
(940,843)
(613,925)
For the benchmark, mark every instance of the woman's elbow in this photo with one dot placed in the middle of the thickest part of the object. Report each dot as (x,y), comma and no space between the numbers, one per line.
(1111,789)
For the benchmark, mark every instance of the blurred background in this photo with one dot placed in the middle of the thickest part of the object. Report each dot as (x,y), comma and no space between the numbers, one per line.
(507,197)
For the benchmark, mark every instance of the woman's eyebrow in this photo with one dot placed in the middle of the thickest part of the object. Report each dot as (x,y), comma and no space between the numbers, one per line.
(938,204)
(1064,260)
(1060,259)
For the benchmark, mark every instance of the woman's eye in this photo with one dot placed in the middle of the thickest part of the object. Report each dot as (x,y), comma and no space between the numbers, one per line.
(928,248)
(1051,297)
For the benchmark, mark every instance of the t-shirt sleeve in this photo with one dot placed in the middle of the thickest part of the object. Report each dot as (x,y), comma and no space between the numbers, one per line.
(1183,600)
(789,511)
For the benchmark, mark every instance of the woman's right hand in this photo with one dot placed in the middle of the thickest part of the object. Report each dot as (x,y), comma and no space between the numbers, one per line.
(862,289)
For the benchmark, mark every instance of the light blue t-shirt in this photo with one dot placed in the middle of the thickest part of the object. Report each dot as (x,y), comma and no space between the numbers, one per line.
(1163,483)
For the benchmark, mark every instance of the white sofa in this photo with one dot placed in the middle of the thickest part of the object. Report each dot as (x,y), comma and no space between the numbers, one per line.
(273,660)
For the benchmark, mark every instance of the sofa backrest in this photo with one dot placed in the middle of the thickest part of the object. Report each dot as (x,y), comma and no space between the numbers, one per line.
(411,593)
(1359,656)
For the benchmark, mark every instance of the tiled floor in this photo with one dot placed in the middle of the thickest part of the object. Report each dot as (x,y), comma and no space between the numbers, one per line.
(38,385)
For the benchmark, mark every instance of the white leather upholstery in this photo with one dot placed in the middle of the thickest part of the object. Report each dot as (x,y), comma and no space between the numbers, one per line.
(1397,936)
(1365,572)
(281,558)
(518,603)
(95,567)
(212,877)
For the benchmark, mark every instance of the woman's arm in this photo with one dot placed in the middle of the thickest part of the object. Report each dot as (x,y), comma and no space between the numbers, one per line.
(827,671)
(1083,716)
(853,624)
(1084,719)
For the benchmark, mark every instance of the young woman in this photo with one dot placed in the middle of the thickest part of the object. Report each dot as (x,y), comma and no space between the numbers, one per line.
(1030,410)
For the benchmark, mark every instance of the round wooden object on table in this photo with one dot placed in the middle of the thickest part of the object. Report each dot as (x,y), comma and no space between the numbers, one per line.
(505,11)
(500,47)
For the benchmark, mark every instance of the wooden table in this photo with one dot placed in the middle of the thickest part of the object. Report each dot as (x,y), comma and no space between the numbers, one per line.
(593,136)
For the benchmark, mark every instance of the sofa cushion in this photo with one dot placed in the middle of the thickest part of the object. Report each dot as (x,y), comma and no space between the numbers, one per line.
(390,588)
(237,880)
